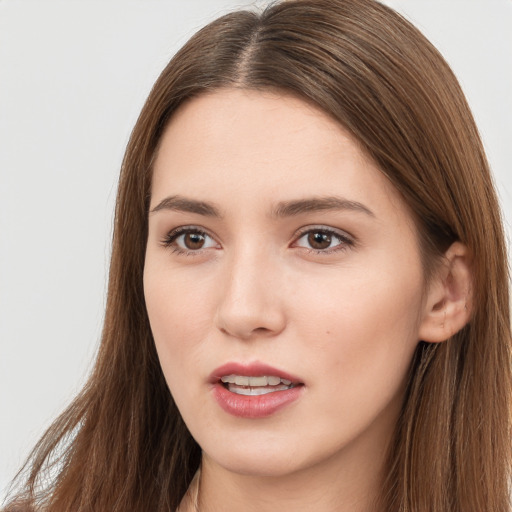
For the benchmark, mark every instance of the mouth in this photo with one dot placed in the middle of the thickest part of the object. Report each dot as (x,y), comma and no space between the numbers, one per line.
(253,386)
(254,390)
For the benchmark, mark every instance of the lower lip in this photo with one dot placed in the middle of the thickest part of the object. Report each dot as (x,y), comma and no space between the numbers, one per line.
(255,406)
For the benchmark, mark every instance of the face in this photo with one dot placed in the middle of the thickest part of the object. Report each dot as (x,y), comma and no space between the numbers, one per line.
(283,284)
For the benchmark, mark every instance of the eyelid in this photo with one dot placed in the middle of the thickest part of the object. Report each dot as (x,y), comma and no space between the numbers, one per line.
(346,240)
(169,239)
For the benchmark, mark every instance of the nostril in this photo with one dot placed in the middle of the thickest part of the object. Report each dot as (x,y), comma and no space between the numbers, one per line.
(240,331)
(261,330)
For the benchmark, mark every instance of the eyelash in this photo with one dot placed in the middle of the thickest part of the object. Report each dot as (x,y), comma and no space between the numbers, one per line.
(345,241)
(171,237)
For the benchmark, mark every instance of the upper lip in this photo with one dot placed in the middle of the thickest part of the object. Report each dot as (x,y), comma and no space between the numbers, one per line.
(254,369)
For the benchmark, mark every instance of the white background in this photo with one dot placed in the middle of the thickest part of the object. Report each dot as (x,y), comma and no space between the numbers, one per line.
(73,77)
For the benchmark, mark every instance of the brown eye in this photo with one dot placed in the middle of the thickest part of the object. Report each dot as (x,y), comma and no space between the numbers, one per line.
(193,241)
(319,240)
(189,240)
(324,240)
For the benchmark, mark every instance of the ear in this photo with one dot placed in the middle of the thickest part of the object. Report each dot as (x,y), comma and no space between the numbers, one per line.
(447,306)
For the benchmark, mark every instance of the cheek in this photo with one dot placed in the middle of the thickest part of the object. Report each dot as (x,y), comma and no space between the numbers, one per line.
(361,328)
(180,312)
(351,302)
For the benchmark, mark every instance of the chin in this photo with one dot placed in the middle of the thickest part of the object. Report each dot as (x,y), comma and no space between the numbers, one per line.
(271,466)
(261,457)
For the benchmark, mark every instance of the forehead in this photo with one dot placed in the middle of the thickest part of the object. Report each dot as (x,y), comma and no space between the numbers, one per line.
(251,147)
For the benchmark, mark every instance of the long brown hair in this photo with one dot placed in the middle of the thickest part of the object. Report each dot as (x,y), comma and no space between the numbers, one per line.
(122,444)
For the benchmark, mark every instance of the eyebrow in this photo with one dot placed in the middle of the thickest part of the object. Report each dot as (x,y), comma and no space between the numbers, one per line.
(281,210)
(318,204)
(183,204)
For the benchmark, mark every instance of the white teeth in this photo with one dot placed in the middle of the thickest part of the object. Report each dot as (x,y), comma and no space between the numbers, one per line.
(252,386)
(259,381)
(241,381)
(264,380)
(255,391)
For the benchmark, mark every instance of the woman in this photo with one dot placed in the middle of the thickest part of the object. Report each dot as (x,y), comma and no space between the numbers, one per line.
(308,255)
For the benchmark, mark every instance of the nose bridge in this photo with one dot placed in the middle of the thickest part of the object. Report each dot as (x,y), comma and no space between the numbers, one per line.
(250,302)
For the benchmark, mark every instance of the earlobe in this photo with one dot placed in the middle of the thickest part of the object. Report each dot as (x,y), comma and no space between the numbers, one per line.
(448,303)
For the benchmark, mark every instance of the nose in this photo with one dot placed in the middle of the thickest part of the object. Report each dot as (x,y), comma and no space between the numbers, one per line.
(251,301)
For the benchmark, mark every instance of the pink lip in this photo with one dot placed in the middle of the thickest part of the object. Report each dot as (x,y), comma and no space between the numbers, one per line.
(259,406)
